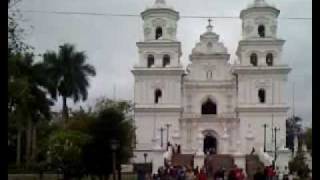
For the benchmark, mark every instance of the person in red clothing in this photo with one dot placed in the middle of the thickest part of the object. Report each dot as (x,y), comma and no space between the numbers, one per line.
(269,173)
(241,176)
(202,175)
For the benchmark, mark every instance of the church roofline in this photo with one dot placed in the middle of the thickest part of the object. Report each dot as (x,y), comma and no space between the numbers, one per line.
(158,71)
(255,9)
(156,11)
(216,56)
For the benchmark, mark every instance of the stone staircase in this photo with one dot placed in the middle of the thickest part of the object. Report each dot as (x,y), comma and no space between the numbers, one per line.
(215,161)
(182,160)
(252,165)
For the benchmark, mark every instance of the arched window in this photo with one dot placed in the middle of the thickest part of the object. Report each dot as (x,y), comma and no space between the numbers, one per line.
(209,107)
(254,59)
(150,60)
(261,31)
(269,59)
(158,32)
(166,60)
(157,95)
(262,95)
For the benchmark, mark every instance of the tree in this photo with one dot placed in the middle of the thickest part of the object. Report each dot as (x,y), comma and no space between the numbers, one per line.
(68,74)
(298,164)
(111,123)
(308,139)
(65,152)
(293,127)
(27,101)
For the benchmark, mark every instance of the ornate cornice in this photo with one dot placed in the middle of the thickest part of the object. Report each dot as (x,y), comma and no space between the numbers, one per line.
(262,9)
(278,69)
(158,71)
(156,11)
(262,108)
(158,108)
(209,84)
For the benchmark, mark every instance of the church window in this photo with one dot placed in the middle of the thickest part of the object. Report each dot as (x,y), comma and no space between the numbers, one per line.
(254,59)
(209,107)
(166,60)
(269,59)
(209,74)
(262,95)
(157,95)
(261,30)
(150,60)
(158,32)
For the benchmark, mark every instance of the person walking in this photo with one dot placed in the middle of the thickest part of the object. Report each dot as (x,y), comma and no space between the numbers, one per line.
(190,175)
(202,175)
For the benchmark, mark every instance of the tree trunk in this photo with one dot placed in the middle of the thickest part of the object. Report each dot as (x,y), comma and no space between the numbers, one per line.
(28,144)
(34,144)
(18,157)
(65,109)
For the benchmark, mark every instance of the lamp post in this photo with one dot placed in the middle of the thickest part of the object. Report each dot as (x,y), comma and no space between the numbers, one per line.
(168,126)
(114,146)
(275,145)
(161,132)
(265,136)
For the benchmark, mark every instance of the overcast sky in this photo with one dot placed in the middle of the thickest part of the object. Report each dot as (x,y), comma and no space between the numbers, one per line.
(109,42)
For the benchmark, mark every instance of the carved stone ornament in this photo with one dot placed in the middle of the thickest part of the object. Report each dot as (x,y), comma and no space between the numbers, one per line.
(147,31)
(273,29)
(158,22)
(248,29)
(171,30)
(262,83)
(261,20)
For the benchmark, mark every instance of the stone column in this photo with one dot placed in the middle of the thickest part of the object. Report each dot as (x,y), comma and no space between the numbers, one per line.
(199,157)
(156,143)
(249,140)
(225,140)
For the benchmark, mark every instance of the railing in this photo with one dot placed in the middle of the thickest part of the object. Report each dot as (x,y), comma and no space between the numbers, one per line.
(208,116)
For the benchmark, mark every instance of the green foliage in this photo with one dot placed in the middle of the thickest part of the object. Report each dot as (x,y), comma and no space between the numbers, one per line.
(65,152)
(308,138)
(298,164)
(110,124)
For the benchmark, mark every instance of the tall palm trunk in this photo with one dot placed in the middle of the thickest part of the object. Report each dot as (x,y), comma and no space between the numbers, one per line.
(34,143)
(18,157)
(28,144)
(65,109)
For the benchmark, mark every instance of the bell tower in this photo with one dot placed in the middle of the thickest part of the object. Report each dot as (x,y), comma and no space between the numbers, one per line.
(261,76)
(157,81)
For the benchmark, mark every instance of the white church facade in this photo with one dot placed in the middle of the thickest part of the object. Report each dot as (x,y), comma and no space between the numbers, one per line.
(212,103)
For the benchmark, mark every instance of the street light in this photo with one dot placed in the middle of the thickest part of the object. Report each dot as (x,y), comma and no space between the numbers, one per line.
(168,126)
(265,136)
(114,146)
(275,145)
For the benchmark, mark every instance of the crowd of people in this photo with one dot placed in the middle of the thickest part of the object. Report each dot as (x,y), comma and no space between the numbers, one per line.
(188,173)
(271,173)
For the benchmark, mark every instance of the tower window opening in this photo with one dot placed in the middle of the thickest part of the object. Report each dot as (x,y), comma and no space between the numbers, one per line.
(261,30)
(209,107)
(269,59)
(150,60)
(254,59)
(158,32)
(262,95)
(166,60)
(157,96)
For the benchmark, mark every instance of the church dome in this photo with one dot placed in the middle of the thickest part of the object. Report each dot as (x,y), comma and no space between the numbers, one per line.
(209,44)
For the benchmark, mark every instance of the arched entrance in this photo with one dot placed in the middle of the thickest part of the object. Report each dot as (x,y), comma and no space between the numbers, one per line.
(210,144)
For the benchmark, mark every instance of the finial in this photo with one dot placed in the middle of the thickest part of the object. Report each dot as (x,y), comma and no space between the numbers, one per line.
(209,27)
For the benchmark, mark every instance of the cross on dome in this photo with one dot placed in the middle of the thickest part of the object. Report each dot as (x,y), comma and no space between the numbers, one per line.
(209,27)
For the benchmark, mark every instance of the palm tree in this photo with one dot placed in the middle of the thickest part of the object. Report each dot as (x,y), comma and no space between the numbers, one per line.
(27,101)
(68,74)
